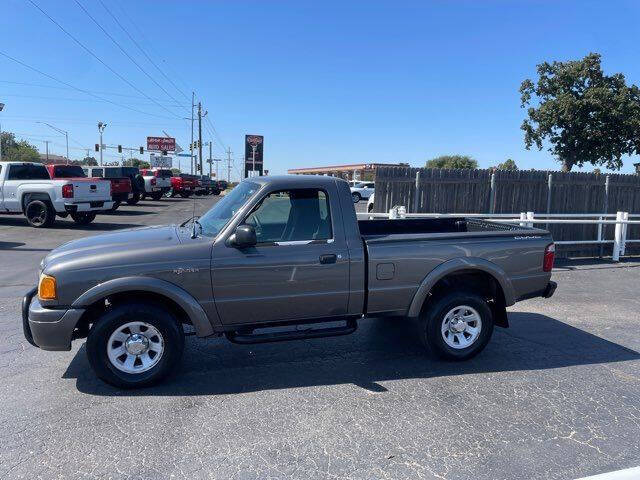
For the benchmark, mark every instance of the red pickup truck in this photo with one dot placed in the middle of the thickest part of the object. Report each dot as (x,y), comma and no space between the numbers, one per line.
(184,185)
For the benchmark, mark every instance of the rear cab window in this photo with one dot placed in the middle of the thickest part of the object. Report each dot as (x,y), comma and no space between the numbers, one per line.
(28,171)
(68,171)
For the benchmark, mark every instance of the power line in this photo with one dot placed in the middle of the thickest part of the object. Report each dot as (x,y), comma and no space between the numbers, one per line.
(126,53)
(98,58)
(41,97)
(39,85)
(80,89)
(175,73)
(142,50)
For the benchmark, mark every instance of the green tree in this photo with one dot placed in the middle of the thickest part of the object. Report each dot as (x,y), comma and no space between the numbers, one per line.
(508,164)
(175,171)
(136,162)
(90,161)
(17,151)
(585,116)
(452,161)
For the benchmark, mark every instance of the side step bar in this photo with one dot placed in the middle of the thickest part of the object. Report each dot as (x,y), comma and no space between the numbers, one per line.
(350,326)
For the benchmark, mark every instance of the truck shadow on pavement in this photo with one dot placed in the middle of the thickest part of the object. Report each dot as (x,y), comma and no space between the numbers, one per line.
(381,350)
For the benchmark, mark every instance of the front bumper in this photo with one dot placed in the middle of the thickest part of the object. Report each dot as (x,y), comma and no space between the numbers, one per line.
(48,328)
(88,206)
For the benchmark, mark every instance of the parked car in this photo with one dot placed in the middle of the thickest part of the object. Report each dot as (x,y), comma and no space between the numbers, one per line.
(362,190)
(183,185)
(121,189)
(132,173)
(157,182)
(27,188)
(222,185)
(209,185)
(370,203)
(280,251)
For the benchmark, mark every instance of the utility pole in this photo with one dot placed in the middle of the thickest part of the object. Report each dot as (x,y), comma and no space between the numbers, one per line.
(210,157)
(46,142)
(88,150)
(59,130)
(228,165)
(193,96)
(200,136)
(101,127)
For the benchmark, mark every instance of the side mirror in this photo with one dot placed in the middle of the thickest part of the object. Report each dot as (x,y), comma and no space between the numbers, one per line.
(245,236)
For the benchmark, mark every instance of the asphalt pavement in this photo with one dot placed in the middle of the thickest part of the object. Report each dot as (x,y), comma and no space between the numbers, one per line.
(556,396)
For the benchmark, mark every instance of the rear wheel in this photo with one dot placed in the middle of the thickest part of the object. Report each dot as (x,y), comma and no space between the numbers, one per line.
(135,345)
(355,196)
(458,326)
(134,199)
(40,213)
(156,195)
(83,218)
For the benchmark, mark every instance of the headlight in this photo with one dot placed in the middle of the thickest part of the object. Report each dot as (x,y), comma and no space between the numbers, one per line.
(47,288)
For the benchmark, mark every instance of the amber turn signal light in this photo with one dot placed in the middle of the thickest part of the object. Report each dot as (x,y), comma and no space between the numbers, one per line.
(47,288)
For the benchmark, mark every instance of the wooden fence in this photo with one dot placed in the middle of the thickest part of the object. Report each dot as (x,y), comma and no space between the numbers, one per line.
(426,190)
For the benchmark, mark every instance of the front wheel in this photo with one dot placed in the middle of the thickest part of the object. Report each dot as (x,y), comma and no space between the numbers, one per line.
(458,326)
(135,345)
(156,196)
(83,218)
(356,197)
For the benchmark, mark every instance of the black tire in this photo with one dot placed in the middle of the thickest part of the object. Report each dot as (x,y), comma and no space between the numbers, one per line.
(133,200)
(185,194)
(119,315)
(370,208)
(156,196)
(83,218)
(356,197)
(40,213)
(138,180)
(143,196)
(116,204)
(431,322)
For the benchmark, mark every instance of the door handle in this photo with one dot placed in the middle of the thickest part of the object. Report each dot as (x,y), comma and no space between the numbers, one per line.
(329,258)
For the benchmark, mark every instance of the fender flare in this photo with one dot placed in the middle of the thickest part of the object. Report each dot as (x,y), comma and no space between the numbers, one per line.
(190,305)
(458,264)
(27,196)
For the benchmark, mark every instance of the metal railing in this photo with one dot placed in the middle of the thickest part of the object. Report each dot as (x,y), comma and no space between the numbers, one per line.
(621,220)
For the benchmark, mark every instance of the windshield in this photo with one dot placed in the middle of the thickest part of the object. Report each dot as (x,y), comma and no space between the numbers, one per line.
(68,171)
(215,219)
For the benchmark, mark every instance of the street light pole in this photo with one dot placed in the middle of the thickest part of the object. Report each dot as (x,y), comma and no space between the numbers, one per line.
(1,108)
(101,127)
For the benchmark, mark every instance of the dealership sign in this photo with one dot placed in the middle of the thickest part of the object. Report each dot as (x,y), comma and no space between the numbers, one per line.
(157,161)
(165,144)
(253,155)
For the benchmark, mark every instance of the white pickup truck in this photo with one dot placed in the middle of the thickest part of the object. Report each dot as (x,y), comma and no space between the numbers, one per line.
(27,188)
(157,182)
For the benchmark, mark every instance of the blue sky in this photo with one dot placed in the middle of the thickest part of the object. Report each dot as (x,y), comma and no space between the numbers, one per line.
(325,82)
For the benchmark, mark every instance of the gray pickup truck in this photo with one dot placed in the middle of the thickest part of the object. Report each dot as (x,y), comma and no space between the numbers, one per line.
(280,258)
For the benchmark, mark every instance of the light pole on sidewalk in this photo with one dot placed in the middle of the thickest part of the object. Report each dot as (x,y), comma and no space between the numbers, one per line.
(101,127)
(1,108)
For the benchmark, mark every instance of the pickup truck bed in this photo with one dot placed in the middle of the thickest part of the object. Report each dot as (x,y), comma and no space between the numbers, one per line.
(281,258)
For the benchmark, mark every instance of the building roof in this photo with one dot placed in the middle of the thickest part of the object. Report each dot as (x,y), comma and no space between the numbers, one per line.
(52,158)
(343,168)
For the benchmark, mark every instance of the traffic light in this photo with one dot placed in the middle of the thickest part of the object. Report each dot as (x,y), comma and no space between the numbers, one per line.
(141,150)
(97,147)
(119,148)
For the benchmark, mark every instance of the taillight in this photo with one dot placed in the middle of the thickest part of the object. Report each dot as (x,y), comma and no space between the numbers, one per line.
(153,181)
(67,190)
(549,254)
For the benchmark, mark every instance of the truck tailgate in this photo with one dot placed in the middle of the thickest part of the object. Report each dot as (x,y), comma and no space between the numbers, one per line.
(90,190)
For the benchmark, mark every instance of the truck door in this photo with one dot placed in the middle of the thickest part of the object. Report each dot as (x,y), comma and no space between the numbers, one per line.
(299,268)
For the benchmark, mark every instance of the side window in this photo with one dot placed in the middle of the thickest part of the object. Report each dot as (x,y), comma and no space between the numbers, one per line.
(28,172)
(97,172)
(291,216)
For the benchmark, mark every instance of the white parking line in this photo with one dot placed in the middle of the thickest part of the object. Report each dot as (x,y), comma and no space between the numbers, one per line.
(627,474)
